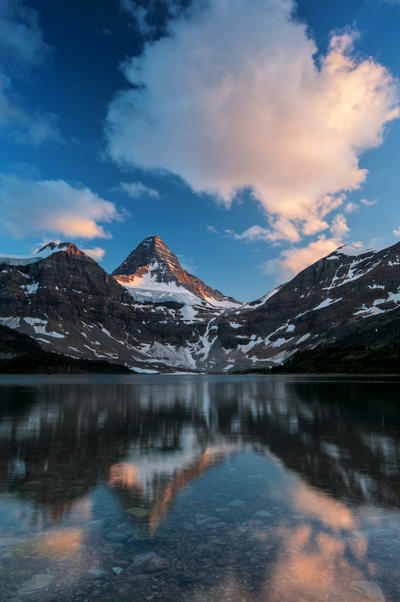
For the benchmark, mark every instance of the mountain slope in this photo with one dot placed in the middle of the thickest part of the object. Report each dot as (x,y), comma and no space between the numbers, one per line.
(69,304)
(352,296)
(154,316)
(153,273)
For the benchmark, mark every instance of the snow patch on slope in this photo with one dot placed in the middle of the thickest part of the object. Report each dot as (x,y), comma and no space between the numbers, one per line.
(28,259)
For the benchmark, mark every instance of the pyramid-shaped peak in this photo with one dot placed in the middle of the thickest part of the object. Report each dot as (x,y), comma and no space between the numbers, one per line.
(152,265)
(153,242)
(152,250)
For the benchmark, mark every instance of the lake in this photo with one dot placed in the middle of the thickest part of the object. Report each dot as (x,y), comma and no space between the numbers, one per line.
(200,488)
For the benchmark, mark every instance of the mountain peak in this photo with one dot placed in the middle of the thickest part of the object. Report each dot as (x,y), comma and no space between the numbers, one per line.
(153,266)
(55,247)
(150,251)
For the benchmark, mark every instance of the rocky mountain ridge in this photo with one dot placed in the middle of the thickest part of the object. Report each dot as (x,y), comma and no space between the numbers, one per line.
(351,296)
(151,315)
(153,273)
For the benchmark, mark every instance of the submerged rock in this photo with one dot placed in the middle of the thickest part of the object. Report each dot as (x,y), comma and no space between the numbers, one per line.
(156,563)
(263,514)
(370,590)
(138,512)
(117,569)
(36,583)
(118,536)
(97,573)
(186,577)
(7,542)
(237,503)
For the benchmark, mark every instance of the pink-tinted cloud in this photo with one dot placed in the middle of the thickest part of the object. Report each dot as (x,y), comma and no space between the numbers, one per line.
(292,261)
(30,207)
(368,203)
(97,253)
(339,227)
(250,107)
(351,207)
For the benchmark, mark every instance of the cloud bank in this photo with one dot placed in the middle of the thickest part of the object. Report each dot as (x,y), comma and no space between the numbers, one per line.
(38,207)
(234,97)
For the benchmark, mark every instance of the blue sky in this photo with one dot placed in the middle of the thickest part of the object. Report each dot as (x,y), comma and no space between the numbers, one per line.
(239,132)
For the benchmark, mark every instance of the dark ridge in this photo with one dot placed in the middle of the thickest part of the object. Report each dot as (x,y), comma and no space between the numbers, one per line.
(336,360)
(20,354)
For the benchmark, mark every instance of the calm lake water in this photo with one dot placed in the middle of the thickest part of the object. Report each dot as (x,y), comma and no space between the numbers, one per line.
(200,488)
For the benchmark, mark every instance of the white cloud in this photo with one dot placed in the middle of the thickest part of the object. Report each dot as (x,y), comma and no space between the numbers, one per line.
(141,12)
(97,253)
(187,264)
(31,128)
(351,207)
(234,98)
(21,44)
(251,234)
(396,231)
(136,190)
(211,228)
(368,203)
(30,207)
(292,261)
(20,34)
(339,227)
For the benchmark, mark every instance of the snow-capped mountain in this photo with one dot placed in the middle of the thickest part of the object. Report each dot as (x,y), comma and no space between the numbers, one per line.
(350,297)
(68,303)
(151,315)
(152,273)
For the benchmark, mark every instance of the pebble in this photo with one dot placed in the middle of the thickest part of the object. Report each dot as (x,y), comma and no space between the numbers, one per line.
(263,514)
(371,590)
(187,526)
(237,503)
(139,559)
(117,569)
(118,536)
(97,573)
(36,583)
(138,512)
(220,525)
(156,563)
(189,577)
(94,524)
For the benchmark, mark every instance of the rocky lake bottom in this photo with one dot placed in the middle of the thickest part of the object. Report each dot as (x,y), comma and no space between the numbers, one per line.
(199,488)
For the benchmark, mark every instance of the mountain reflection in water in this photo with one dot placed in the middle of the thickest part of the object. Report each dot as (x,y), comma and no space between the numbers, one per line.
(246,487)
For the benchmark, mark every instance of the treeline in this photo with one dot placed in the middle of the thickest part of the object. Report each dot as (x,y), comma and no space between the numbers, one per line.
(43,362)
(334,360)
(20,354)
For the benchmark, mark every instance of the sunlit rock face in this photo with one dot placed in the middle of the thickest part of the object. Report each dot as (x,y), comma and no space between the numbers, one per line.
(152,272)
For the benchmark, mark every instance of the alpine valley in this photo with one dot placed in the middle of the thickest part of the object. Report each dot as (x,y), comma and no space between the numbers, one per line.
(151,315)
